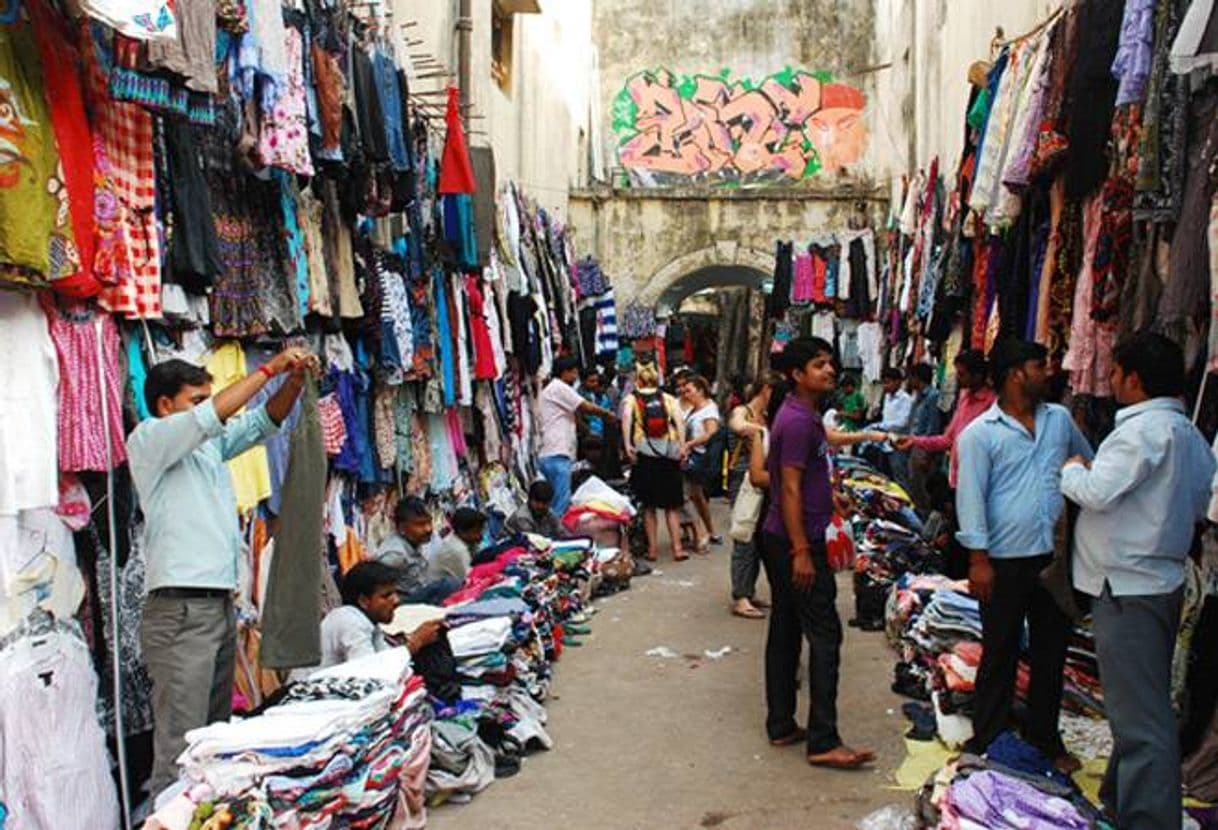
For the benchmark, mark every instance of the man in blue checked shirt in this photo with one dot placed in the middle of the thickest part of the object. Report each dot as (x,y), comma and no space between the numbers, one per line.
(1141,501)
(1008,500)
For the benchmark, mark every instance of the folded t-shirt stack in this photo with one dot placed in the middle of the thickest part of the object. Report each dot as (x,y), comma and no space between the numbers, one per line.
(349,747)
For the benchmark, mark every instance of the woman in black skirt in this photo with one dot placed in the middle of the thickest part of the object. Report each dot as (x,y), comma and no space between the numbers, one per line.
(653,432)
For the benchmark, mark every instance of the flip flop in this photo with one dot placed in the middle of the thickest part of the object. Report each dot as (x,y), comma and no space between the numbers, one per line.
(798,736)
(759,603)
(749,613)
(679,557)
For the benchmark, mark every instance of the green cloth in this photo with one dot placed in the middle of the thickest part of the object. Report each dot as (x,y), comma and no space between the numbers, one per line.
(29,161)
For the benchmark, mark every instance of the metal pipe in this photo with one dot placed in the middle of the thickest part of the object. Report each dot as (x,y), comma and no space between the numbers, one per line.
(120,745)
(465,28)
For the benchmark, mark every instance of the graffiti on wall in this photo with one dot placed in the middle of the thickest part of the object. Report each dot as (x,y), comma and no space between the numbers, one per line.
(674,129)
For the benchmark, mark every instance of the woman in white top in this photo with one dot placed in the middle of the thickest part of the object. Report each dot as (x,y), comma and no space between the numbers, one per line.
(701,424)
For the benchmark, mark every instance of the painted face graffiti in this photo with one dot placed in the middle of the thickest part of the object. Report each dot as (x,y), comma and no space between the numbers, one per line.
(789,127)
(12,137)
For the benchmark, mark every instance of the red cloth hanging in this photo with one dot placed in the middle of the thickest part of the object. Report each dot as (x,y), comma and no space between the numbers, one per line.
(456,172)
(75,141)
(484,350)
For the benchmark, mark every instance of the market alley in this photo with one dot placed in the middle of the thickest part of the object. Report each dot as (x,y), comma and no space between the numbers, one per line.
(644,741)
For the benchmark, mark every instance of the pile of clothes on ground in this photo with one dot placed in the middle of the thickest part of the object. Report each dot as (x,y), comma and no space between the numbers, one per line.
(348,747)
(606,515)
(1014,786)
(521,604)
(935,627)
(888,535)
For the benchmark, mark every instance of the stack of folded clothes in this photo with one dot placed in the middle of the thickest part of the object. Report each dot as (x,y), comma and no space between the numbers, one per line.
(935,628)
(886,551)
(349,747)
(519,606)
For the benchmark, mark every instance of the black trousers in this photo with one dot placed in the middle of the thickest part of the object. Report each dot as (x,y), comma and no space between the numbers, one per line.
(1017,596)
(795,615)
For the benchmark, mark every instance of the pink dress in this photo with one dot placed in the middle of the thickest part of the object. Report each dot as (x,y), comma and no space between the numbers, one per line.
(284,140)
(82,439)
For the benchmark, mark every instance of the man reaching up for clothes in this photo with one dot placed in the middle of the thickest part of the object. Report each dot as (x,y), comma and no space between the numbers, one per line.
(191,537)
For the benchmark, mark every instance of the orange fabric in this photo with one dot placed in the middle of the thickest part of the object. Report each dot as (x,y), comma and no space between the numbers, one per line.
(351,552)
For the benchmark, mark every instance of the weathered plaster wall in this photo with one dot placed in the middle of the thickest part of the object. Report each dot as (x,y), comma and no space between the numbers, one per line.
(930,45)
(647,239)
(749,40)
(910,58)
(539,130)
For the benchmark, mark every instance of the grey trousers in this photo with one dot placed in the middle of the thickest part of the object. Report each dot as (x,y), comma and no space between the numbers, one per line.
(746,565)
(1135,637)
(190,646)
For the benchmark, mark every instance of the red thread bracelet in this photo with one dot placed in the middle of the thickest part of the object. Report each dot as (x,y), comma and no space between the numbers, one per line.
(265,372)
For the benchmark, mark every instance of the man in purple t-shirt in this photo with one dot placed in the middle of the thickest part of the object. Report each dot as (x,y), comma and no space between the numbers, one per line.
(803,587)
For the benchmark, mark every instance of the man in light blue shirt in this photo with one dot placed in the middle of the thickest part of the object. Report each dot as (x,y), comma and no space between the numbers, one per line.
(1008,500)
(1141,501)
(192,539)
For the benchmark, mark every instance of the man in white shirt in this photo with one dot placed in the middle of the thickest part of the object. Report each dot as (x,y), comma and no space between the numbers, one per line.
(558,404)
(894,417)
(353,630)
(1141,499)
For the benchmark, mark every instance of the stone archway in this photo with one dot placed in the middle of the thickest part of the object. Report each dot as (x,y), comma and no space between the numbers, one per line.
(743,274)
(711,262)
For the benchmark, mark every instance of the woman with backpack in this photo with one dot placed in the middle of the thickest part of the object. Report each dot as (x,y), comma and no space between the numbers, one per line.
(702,457)
(654,434)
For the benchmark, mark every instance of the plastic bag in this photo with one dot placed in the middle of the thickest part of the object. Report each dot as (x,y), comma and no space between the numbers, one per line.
(595,490)
(889,818)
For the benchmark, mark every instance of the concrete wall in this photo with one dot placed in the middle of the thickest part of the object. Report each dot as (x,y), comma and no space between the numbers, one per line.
(930,45)
(736,40)
(540,131)
(648,239)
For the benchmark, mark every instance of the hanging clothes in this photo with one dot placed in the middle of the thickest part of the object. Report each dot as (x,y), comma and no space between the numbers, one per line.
(83,362)
(284,133)
(484,350)
(249,471)
(456,172)
(74,138)
(291,616)
(28,210)
(48,719)
(29,378)
(194,249)
(1091,94)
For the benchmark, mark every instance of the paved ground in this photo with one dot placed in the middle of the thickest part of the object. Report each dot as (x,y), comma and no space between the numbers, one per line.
(646,742)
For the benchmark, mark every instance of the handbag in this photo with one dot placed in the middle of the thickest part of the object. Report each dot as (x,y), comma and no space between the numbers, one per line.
(746,510)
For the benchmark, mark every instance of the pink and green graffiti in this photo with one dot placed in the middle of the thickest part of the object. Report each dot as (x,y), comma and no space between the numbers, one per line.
(709,128)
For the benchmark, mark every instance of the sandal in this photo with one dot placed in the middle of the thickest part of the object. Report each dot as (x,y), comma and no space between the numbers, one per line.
(798,736)
(759,603)
(702,549)
(680,555)
(746,609)
(716,540)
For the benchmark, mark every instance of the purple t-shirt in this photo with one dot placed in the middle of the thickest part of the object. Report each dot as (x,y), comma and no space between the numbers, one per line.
(798,439)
